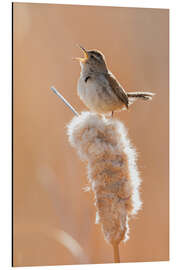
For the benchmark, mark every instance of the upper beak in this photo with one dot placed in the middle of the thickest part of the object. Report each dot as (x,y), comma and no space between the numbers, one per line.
(85,55)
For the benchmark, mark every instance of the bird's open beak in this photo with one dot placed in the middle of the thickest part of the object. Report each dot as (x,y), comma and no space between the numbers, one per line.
(85,55)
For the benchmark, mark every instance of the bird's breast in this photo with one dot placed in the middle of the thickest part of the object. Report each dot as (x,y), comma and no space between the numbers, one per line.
(97,94)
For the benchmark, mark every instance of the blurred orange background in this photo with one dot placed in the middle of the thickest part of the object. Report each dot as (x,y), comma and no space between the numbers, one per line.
(54,220)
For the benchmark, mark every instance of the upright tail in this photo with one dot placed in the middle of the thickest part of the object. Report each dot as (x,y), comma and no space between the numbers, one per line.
(133,96)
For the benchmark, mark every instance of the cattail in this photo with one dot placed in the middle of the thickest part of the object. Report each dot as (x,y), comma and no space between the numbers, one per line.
(112,171)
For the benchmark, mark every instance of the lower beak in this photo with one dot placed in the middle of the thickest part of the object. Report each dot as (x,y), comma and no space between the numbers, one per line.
(80,59)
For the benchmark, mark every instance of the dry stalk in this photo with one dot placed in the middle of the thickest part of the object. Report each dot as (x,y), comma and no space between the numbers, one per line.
(116,253)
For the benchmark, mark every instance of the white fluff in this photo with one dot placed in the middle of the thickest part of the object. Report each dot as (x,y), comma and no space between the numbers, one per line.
(112,171)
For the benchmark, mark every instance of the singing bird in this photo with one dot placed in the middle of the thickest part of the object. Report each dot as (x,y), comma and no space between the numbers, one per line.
(98,88)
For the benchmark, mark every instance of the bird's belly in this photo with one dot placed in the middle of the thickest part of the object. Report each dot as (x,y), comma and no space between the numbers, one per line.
(96,97)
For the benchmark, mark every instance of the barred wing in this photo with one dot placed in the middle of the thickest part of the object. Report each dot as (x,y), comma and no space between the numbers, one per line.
(117,89)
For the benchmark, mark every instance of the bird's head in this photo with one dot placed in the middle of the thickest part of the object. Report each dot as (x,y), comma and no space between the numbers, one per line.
(93,61)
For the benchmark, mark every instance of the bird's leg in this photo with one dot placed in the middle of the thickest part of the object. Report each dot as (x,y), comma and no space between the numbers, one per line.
(112,114)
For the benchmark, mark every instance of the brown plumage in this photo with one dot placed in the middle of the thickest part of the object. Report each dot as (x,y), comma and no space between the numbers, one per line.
(117,89)
(99,89)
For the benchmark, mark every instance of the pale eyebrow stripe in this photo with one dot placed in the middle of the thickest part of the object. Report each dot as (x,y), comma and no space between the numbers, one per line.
(98,57)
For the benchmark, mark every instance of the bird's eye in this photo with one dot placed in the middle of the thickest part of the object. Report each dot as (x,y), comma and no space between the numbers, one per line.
(92,56)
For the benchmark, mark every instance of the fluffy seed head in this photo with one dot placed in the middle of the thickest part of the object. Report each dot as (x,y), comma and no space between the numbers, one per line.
(112,171)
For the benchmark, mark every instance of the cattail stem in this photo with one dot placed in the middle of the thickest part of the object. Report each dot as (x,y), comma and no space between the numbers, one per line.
(116,253)
(64,100)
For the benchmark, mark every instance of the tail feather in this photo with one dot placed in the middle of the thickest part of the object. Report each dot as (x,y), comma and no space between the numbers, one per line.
(140,95)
